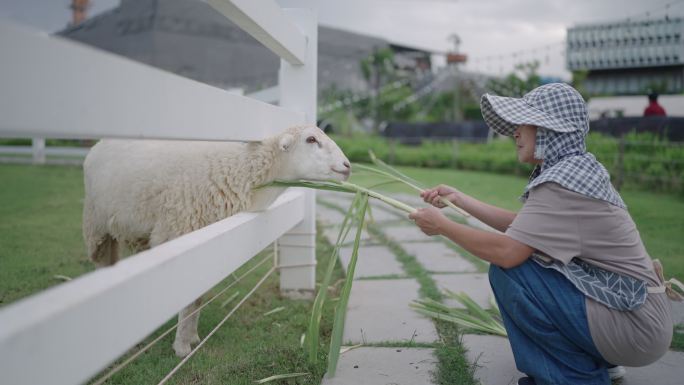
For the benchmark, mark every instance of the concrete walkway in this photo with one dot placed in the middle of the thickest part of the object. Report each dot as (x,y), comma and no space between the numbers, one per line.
(378,313)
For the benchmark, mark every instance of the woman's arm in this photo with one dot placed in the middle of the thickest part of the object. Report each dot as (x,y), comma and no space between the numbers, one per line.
(493,216)
(498,249)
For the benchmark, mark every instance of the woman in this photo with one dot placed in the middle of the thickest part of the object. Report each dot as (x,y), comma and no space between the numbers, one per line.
(577,290)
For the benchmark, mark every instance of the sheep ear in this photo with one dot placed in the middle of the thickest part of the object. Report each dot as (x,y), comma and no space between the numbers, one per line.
(286,142)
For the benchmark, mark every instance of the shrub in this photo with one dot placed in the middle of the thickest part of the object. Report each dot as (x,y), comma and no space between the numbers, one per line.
(647,161)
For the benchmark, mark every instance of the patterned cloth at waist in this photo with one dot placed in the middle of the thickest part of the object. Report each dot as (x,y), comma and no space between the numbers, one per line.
(617,291)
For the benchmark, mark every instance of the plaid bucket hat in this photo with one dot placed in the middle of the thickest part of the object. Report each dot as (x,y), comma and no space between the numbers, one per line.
(556,107)
(560,115)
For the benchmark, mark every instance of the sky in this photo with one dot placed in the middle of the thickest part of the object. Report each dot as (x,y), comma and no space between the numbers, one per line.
(495,34)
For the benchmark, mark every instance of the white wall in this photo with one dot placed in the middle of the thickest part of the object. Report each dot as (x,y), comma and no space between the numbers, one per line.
(633,105)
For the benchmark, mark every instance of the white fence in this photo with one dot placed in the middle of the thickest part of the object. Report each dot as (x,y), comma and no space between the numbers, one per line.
(67,334)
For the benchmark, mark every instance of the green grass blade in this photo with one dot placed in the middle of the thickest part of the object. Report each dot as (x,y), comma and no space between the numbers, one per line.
(387,169)
(320,185)
(383,183)
(389,175)
(472,306)
(473,317)
(390,201)
(276,310)
(495,306)
(280,377)
(468,323)
(317,309)
(341,310)
(342,187)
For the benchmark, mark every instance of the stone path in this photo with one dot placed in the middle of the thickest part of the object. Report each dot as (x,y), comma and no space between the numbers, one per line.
(378,312)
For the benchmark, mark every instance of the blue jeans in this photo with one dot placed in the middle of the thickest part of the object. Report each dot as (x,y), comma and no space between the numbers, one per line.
(546,320)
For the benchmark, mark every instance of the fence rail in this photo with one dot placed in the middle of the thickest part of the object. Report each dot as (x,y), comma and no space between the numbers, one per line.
(54,88)
(63,89)
(77,328)
(266,22)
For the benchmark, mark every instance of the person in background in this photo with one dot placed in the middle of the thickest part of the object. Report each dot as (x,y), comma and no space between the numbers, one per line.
(577,290)
(653,108)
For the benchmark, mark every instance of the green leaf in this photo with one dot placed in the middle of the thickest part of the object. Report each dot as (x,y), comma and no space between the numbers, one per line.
(280,377)
(473,317)
(341,310)
(317,310)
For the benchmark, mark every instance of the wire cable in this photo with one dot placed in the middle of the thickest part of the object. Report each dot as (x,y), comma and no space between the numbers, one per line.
(211,333)
(130,359)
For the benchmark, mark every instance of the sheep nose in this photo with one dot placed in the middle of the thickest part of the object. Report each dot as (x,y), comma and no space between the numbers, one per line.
(346,164)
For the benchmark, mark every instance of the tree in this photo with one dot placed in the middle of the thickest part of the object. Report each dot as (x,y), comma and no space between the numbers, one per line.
(522,80)
(378,70)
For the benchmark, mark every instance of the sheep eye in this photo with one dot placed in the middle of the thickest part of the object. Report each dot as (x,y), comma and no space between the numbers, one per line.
(311,139)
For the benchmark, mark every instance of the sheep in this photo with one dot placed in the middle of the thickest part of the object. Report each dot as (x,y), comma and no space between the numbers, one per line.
(141,193)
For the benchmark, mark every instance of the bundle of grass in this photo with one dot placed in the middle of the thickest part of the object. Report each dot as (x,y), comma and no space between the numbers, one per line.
(472,318)
(355,216)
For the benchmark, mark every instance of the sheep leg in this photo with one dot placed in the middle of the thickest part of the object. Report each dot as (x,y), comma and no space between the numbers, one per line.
(104,251)
(186,332)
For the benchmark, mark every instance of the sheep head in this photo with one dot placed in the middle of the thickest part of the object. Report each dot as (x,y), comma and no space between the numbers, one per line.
(308,153)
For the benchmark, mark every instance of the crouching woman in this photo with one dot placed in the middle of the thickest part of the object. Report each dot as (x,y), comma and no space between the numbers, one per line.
(578,292)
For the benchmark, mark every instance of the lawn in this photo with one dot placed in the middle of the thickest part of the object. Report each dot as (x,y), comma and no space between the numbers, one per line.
(658,216)
(40,238)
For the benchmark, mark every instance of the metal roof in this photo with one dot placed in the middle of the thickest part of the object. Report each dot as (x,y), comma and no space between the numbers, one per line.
(189,38)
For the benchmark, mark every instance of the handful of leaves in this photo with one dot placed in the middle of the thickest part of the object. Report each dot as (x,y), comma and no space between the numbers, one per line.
(354,216)
(472,318)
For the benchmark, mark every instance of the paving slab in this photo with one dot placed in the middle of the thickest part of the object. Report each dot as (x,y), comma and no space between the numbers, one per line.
(384,366)
(410,199)
(476,285)
(334,195)
(381,214)
(669,370)
(331,234)
(416,201)
(388,207)
(373,261)
(378,311)
(407,233)
(438,257)
(494,359)
(328,216)
(496,366)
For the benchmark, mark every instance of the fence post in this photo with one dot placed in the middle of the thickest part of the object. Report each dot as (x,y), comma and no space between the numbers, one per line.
(620,164)
(38,147)
(298,91)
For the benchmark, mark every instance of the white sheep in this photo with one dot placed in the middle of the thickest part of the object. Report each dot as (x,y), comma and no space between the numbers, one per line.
(141,193)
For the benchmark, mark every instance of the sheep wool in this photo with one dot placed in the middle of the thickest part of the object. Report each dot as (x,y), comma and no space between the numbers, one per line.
(141,193)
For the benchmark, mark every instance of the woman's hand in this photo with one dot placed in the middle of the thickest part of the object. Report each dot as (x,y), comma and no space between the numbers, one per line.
(430,220)
(433,195)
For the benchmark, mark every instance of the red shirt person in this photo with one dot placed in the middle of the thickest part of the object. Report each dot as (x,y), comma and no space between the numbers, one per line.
(653,108)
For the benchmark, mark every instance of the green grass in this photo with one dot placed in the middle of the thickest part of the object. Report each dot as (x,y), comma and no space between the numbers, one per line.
(251,345)
(453,366)
(40,237)
(40,228)
(658,216)
(678,338)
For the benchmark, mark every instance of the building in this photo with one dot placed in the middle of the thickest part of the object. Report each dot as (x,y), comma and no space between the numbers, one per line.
(189,38)
(632,106)
(629,57)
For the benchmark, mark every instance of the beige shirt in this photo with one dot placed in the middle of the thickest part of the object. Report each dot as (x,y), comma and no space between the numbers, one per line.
(564,224)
